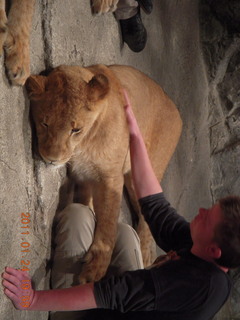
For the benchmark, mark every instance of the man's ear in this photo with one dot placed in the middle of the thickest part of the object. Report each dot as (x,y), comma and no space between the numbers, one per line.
(214,251)
(35,86)
(97,88)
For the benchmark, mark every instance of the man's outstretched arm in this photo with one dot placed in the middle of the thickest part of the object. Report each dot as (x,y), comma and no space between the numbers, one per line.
(18,288)
(144,179)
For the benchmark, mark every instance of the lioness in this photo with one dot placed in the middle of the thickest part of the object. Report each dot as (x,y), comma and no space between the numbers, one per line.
(15,30)
(80,119)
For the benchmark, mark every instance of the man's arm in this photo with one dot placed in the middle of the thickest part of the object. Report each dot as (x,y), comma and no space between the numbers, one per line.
(144,179)
(18,288)
(169,230)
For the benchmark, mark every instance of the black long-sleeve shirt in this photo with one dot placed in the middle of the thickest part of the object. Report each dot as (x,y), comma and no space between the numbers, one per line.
(188,288)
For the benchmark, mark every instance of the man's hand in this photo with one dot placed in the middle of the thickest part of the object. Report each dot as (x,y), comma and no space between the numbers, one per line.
(131,120)
(18,288)
(144,180)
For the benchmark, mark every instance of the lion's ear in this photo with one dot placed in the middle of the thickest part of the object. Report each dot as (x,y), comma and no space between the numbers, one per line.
(97,88)
(35,86)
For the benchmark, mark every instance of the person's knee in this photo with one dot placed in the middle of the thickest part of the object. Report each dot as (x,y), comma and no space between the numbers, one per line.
(127,235)
(75,215)
(127,251)
(75,227)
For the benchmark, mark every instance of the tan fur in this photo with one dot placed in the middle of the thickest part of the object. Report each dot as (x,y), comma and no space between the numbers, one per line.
(103,6)
(3,25)
(90,99)
(15,31)
(14,38)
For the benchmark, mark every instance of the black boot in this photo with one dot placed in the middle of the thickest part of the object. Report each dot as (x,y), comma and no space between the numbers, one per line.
(146,5)
(134,32)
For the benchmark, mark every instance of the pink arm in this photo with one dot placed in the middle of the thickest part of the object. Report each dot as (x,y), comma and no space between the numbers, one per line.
(18,288)
(144,179)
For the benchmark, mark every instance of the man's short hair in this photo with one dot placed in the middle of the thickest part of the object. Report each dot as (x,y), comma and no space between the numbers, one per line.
(227,234)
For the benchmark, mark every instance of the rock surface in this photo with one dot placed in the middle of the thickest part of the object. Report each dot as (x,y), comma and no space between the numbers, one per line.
(192,51)
(220,36)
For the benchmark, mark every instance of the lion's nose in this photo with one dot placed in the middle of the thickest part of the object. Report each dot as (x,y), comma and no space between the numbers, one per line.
(49,160)
(52,161)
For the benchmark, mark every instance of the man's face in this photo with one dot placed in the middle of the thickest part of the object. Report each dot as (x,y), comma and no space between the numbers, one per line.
(203,226)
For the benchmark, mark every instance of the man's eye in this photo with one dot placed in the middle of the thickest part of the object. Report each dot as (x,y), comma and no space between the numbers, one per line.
(76,130)
(44,124)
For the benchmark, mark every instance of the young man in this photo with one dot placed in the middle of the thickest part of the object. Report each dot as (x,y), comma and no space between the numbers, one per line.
(192,284)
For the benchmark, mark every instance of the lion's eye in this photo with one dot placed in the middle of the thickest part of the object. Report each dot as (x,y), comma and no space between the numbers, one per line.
(76,130)
(44,124)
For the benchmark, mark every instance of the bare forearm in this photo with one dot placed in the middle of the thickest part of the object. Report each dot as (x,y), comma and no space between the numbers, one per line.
(18,287)
(144,179)
(70,299)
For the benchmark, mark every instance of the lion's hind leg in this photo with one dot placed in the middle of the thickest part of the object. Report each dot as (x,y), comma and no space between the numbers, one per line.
(148,245)
(17,56)
(104,6)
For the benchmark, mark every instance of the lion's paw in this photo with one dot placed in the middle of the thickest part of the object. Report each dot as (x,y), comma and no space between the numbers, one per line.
(104,6)
(3,29)
(95,266)
(148,256)
(17,58)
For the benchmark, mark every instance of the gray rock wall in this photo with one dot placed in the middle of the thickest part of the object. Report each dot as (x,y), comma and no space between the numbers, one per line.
(197,63)
(220,35)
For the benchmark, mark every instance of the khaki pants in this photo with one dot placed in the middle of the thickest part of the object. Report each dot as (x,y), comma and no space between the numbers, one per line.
(126,9)
(74,235)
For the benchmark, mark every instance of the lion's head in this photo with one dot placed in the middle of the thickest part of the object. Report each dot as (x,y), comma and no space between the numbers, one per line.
(66,106)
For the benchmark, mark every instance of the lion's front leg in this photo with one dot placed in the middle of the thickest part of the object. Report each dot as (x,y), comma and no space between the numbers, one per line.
(106,202)
(104,6)
(17,56)
(3,25)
